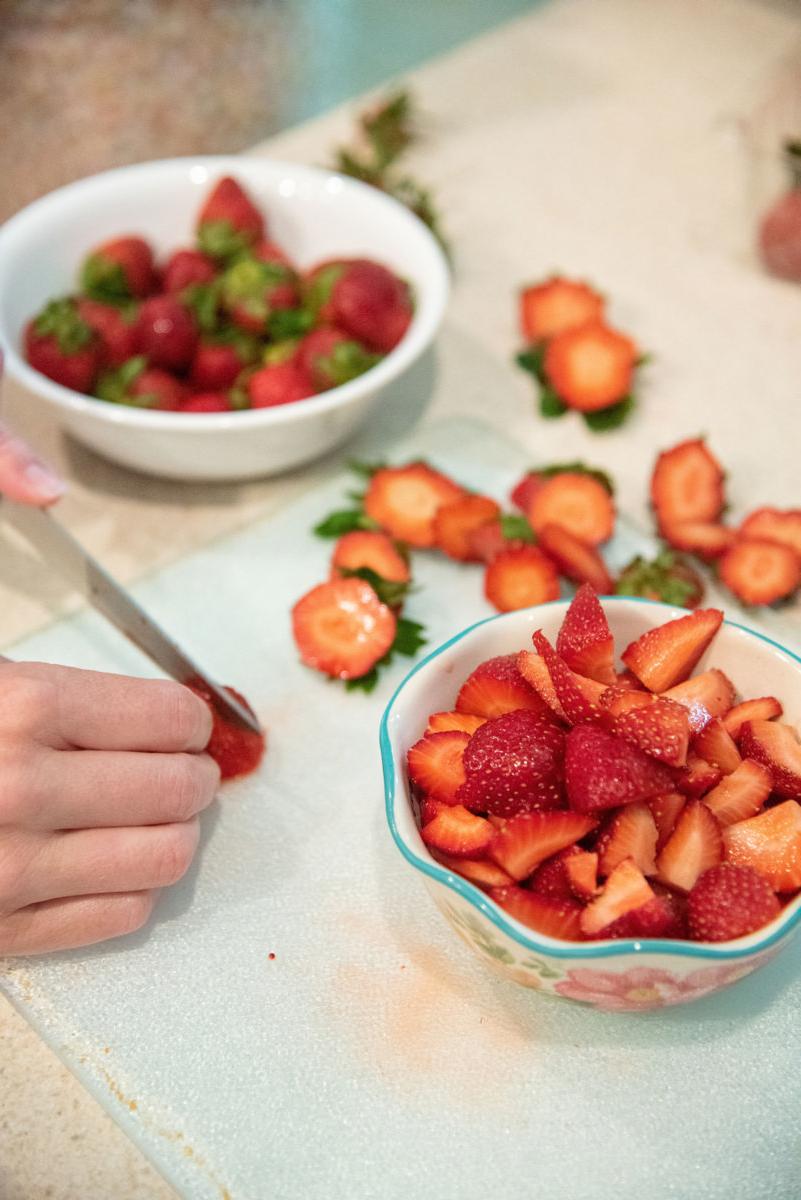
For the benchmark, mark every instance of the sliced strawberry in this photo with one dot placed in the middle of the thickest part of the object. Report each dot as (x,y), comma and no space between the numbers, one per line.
(603,771)
(545,914)
(778,748)
(761,572)
(622,697)
(585,641)
(729,902)
(534,670)
(487,541)
(342,629)
(665,810)
(371,549)
(575,559)
(770,843)
(582,874)
(706,539)
(710,694)
(429,809)
(698,777)
(455,522)
(625,890)
(513,764)
(523,491)
(497,687)
(590,368)
(632,834)
(765,708)
(741,794)
(478,870)
(404,501)
(687,484)
(520,577)
(577,502)
(579,697)
(659,917)
(435,764)
(774,525)
(694,846)
(444,722)
(665,656)
(717,746)
(661,728)
(457,832)
(556,305)
(528,839)
(551,879)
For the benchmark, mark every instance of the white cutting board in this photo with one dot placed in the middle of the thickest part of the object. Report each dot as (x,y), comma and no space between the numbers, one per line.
(373,1058)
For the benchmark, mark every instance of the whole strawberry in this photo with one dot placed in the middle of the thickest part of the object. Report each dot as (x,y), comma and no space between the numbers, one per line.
(365,299)
(63,346)
(119,270)
(252,291)
(728,902)
(207,402)
(282,383)
(219,360)
(332,357)
(141,386)
(166,333)
(186,267)
(229,221)
(514,764)
(114,326)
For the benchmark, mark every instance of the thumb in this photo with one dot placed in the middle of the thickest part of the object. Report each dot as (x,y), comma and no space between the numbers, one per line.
(23,476)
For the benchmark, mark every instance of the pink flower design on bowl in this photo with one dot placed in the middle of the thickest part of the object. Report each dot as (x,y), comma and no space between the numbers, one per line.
(646,987)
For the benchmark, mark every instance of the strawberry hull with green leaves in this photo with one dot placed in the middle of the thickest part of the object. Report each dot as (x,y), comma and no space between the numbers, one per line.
(591,804)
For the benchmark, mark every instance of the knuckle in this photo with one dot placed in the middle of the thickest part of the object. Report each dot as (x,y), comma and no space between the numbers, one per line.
(175,852)
(27,703)
(18,799)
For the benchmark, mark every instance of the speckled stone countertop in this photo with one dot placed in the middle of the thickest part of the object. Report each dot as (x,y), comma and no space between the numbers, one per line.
(606,138)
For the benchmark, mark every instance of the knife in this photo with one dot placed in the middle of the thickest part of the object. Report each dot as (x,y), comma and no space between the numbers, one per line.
(61,550)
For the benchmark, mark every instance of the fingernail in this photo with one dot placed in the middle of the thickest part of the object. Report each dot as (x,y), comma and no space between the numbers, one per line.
(44,482)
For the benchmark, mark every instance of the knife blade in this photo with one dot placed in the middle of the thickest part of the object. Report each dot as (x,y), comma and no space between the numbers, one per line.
(60,549)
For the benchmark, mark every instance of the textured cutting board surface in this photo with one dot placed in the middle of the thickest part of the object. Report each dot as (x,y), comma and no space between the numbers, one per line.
(372,1057)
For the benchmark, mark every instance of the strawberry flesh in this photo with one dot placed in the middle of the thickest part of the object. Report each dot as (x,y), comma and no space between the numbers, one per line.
(665,656)
(556,918)
(779,749)
(497,687)
(530,838)
(603,771)
(585,641)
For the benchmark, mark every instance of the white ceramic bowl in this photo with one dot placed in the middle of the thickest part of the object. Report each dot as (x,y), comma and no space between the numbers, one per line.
(313,213)
(623,975)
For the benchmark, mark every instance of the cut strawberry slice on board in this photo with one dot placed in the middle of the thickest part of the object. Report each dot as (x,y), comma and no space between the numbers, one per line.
(665,656)
(545,914)
(761,572)
(774,525)
(585,641)
(625,890)
(776,746)
(556,305)
(687,484)
(457,832)
(454,524)
(707,539)
(529,839)
(405,500)
(603,771)
(770,843)
(575,502)
(520,577)
(497,687)
(741,794)
(342,629)
(372,549)
(695,845)
(435,764)
(590,368)
(575,559)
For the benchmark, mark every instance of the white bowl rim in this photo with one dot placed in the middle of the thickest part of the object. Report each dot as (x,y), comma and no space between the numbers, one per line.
(738,948)
(421,331)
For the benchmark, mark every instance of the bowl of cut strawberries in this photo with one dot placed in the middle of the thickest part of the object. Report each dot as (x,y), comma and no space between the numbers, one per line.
(604,798)
(216,318)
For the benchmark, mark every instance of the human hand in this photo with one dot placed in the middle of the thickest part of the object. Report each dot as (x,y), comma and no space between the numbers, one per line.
(103,778)
(23,476)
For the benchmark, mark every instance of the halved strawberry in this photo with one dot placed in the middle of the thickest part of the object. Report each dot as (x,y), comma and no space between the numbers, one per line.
(698,777)
(457,832)
(632,833)
(661,728)
(764,708)
(729,902)
(455,522)
(342,629)
(717,746)
(665,810)
(404,501)
(444,722)
(550,877)
(480,871)
(528,839)
(556,305)
(513,764)
(523,491)
(371,549)
(774,525)
(695,845)
(585,641)
(665,656)
(761,572)
(741,794)
(659,917)
(603,771)
(577,502)
(575,559)
(707,539)
(779,749)
(590,368)
(435,764)
(687,484)
(545,914)
(578,696)
(710,694)
(496,687)
(625,890)
(520,577)
(582,874)
(623,697)
(770,843)
(535,671)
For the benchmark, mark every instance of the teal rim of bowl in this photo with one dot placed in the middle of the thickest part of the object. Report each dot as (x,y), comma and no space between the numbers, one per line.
(479,899)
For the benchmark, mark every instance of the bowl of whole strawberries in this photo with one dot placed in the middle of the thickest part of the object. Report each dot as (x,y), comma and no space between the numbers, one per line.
(216,318)
(604,798)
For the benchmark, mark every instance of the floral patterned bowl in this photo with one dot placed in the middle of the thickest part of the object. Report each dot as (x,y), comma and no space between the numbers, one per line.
(622,975)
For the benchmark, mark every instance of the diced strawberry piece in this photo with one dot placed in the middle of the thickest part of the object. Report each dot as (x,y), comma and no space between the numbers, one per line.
(779,749)
(576,502)
(185,267)
(118,270)
(665,656)
(535,671)
(741,794)
(582,874)
(528,839)
(603,771)
(404,501)
(694,846)
(480,871)
(765,708)
(520,577)
(497,687)
(687,484)
(556,305)
(710,694)
(545,914)
(523,491)
(623,698)
(371,549)
(625,890)
(457,832)
(551,878)
(707,539)
(228,221)
(575,559)
(661,729)
(585,641)
(435,764)
(770,843)
(717,746)
(761,572)
(729,902)
(774,525)
(665,810)
(590,368)
(342,629)
(444,722)
(513,764)
(579,697)
(455,522)
(632,833)
(698,777)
